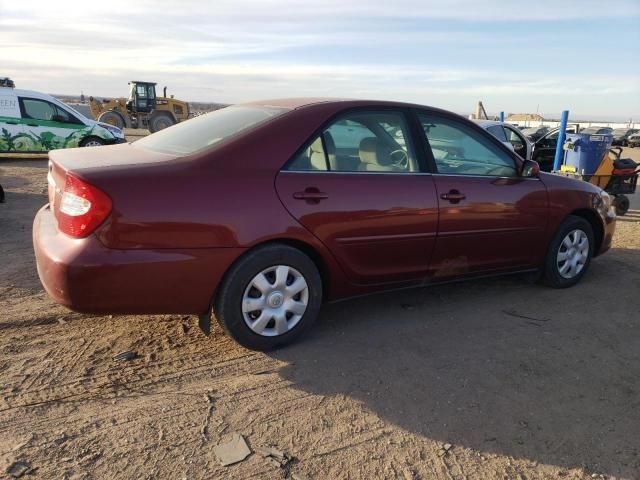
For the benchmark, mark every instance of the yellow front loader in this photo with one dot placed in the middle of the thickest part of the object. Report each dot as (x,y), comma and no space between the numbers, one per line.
(141,110)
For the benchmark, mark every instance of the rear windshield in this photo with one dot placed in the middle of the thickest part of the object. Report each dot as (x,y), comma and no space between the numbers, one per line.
(207,130)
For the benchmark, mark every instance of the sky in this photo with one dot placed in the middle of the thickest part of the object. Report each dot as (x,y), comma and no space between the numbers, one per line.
(514,55)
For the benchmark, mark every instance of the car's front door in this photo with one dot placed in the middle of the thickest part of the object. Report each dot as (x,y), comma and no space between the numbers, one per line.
(491,218)
(544,150)
(49,126)
(359,189)
(519,143)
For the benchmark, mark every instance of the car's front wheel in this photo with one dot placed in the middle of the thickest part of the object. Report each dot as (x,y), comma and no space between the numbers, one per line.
(92,142)
(569,253)
(269,297)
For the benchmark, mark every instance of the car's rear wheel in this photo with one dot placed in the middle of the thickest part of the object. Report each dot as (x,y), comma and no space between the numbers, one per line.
(269,297)
(569,253)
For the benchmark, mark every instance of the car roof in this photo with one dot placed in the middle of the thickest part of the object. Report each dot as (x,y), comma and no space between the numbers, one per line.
(491,123)
(5,91)
(338,103)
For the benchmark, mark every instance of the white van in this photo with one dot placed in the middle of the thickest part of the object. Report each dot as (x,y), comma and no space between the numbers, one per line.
(36,122)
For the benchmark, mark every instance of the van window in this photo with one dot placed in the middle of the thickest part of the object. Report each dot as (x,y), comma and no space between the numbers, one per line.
(38,109)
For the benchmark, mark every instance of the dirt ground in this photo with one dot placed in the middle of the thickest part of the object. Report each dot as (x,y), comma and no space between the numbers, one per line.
(492,379)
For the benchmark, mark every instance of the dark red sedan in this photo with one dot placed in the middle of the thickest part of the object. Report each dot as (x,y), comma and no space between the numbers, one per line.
(258,213)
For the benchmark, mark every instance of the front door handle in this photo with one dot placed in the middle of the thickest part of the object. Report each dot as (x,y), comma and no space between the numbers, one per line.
(311,195)
(454,196)
(32,124)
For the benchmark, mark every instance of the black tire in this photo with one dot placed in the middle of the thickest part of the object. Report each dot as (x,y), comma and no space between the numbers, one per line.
(621,204)
(112,118)
(92,142)
(552,276)
(160,121)
(1,194)
(227,307)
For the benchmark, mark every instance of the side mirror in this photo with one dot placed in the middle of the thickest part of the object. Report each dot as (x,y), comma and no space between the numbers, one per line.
(530,168)
(58,118)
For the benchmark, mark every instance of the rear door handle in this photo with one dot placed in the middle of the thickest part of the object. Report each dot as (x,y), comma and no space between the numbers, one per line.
(32,124)
(454,196)
(311,195)
(11,123)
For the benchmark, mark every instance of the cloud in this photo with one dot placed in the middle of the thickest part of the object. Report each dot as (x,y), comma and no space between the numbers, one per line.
(426,51)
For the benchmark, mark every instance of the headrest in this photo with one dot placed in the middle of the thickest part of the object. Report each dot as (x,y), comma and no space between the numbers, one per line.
(373,152)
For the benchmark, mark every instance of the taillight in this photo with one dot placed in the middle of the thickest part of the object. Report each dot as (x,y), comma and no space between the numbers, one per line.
(82,208)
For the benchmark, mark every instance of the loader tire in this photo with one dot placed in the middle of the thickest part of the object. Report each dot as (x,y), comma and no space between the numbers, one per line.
(160,121)
(112,118)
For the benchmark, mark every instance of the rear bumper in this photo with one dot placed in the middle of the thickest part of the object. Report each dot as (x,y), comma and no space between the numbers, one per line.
(85,276)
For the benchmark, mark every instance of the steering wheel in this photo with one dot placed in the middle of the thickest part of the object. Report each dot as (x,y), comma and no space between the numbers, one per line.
(399,158)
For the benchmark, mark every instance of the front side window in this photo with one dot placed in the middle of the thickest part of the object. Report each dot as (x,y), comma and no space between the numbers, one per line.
(142,91)
(360,142)
(43,110)
(518,142)
(461,150)
(38,109)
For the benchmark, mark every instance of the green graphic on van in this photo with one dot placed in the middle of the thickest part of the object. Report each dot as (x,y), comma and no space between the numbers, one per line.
(30,142)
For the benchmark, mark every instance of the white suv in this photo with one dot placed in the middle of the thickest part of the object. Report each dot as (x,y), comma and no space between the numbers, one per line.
(36,122)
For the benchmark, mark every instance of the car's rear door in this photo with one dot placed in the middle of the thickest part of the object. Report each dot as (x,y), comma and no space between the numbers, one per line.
(359,188)
(490,217)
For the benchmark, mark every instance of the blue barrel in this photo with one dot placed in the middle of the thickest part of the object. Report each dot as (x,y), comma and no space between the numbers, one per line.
(586,152)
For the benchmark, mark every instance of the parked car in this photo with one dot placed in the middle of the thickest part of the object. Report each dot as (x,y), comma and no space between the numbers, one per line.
(597,130)
(509,135)
(36,122)
(634,140)
(621,135)
(258,213)
(544,149)
(534,133)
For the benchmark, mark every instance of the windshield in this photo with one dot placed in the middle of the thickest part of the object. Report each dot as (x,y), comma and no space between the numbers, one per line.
(207,130)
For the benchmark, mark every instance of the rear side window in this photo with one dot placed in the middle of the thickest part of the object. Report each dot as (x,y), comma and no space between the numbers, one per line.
(360,142)
(207,130)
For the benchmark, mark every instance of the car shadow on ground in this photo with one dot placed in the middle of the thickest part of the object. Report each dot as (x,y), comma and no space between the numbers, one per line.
(496,365)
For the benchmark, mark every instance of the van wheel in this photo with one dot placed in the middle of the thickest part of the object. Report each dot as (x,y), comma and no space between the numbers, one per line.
(92,142)
(269,297)
(569,253)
